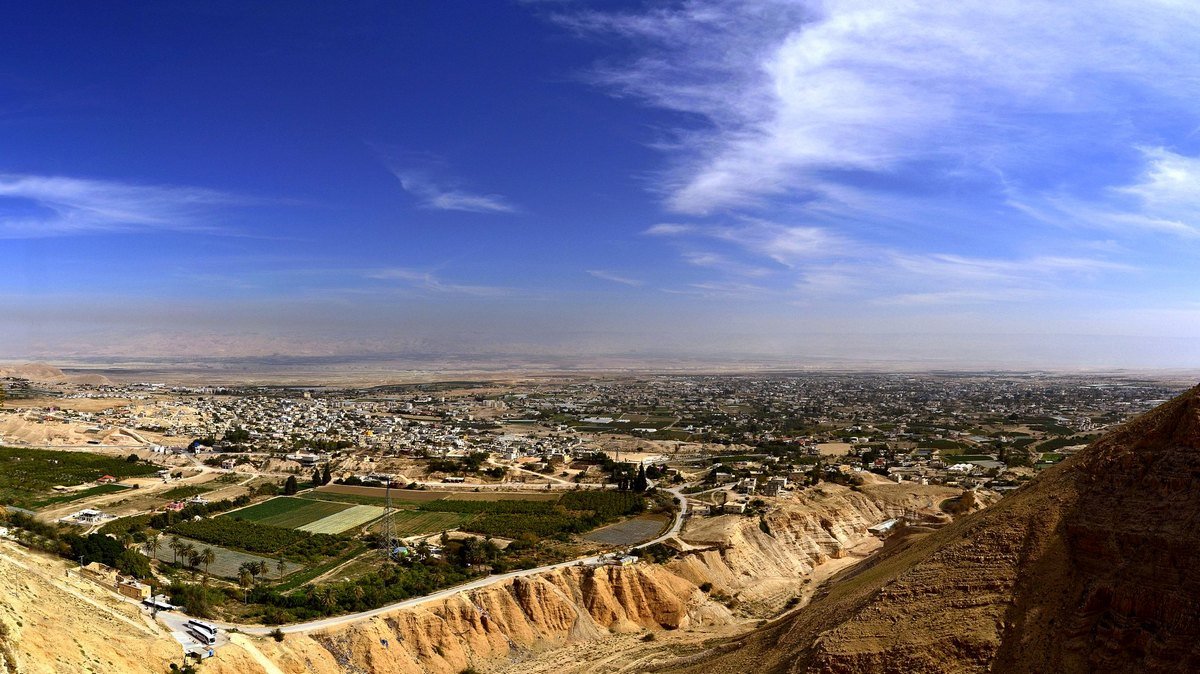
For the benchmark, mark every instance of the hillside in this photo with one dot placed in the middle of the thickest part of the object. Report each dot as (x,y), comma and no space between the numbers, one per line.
(1090,568)
(573,619)
(44,373)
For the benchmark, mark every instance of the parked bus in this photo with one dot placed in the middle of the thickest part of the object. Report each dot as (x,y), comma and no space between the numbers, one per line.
(206,633)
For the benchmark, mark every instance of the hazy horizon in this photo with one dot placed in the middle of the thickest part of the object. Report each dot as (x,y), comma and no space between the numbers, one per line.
(989,184)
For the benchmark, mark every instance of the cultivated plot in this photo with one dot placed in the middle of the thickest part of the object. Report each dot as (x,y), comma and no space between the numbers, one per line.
(288,512)
(354,516)
(629,532)
(411,522)
(378,493)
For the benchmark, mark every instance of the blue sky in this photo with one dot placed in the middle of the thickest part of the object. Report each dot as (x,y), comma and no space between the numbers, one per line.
(1002,183)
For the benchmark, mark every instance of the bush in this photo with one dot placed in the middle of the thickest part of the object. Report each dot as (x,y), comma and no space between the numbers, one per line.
(277,634)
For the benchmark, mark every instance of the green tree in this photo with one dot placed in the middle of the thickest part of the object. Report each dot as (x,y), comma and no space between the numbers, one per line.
(290,487)
(326,477)
(208,557)
(640,483)
(176,547)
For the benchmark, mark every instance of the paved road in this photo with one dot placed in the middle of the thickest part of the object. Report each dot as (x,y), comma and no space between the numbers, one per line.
(339,621)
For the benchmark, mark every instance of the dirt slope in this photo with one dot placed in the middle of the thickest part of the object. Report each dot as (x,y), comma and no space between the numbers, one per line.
(1089,569)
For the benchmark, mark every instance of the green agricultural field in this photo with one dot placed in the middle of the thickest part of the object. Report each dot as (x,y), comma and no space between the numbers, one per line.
(28,476)
(261,538)
(288,512)
(354,516)
(412,523)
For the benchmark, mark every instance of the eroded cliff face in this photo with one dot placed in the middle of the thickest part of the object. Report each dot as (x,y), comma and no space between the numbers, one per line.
(512,625)
(564,620)
(1088,569)
(761,562)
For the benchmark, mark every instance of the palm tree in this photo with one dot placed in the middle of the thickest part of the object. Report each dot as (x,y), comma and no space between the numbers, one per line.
(328,599)
(154,541)
(188,552)
(176,547)
(247,569)
(208,557)
(262,567)
(282,566)
(245,579)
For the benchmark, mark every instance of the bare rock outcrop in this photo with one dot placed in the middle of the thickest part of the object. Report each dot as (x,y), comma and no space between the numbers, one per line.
(1089,569)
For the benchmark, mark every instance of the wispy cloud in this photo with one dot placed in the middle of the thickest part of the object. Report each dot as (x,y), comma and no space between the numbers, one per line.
(785,244)
(722,263)
(45,206)
(439,197)
(615,278)
(425,280)
(1163,199)
(721,290)
(794,93)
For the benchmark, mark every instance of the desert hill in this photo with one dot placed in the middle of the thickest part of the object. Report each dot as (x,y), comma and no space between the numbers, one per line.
(44,373)
(1092,568)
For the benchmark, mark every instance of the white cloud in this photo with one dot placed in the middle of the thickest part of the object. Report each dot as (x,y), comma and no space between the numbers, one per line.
(790,90)
(44,206)
(435,196)
(425,280)
(615,278)
(785,244)
(722,263)
(1163,199)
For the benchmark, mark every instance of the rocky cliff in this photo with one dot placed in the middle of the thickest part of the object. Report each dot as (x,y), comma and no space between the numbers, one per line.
(754,565)
(760,563)
(1089,569)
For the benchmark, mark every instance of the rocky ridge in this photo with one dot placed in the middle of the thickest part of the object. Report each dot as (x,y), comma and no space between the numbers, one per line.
(754,567)
(1088,569)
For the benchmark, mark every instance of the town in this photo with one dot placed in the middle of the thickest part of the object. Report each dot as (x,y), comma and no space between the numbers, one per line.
(276,505)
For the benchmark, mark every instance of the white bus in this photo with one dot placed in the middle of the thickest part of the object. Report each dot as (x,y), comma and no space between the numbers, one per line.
(206,633)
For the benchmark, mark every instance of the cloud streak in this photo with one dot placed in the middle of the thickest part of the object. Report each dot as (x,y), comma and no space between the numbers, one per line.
(47,206)
(428,281)
(615,278)
(437,197)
